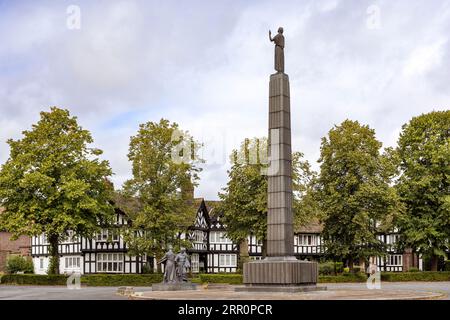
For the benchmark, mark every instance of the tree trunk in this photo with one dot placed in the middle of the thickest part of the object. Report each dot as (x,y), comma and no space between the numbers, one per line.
(434,262)
(363,263)
(158,265)
(350,264)
(53,240)
(243,254)
(264,248)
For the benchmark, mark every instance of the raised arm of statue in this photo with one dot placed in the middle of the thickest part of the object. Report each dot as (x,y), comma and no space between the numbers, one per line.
(270,36)
(163,259)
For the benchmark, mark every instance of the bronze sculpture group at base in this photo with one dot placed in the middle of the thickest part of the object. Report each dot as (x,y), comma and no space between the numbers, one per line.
(175,267)
(175,272)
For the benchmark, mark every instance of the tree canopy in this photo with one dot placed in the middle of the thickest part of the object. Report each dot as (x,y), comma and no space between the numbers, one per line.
(54,182)
(354,192)
(165,170)
(424,184)
(244,199)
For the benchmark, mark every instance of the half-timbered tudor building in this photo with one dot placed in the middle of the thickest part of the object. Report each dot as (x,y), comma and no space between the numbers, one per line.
(211,250)
(396,260)
(106,252)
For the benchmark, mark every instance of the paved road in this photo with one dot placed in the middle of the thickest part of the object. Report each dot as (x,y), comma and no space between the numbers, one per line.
(109,293)
(8,292)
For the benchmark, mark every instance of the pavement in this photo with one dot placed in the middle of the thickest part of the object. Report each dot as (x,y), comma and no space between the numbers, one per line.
(436,287)
(389,290)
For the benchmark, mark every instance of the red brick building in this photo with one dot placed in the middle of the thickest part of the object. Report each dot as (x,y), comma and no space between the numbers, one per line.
(20,246)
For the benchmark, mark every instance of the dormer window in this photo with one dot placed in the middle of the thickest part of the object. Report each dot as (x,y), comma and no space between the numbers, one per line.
(108,236)
(307,240)
(219,237)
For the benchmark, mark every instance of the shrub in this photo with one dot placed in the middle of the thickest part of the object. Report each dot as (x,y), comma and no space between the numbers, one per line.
(16,264)
(339,267)
(146,269)
(357,269)
(413,269)
(447,265)
(232,278)
(346,270)
(326,268)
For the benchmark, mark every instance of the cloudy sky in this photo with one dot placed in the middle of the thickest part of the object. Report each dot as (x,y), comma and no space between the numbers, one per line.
(206,65)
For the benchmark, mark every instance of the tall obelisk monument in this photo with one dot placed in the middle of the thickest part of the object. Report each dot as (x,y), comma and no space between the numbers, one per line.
(280,233)
(280,270)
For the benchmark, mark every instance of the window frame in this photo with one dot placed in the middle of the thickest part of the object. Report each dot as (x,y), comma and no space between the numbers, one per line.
(226,260)
(108,261)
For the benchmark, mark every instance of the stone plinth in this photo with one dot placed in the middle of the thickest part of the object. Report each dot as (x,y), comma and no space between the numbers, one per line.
(280,272)
(178,286)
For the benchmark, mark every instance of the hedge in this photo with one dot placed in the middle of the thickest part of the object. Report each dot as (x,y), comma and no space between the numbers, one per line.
(34,279)
(116,280)
(148,279)
(95,280)
(232,278)
(416,276)
(349,277)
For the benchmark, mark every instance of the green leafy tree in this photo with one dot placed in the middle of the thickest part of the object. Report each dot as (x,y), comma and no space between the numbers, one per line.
(244,199)
(53,182)
(305,187)
(424,184)
(165,170)
(355,193)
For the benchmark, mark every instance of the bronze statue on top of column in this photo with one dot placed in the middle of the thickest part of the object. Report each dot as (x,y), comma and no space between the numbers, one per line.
(279,49)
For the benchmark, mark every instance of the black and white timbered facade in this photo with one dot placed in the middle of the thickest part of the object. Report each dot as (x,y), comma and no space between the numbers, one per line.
(105,253)
(211,250)
(395,260)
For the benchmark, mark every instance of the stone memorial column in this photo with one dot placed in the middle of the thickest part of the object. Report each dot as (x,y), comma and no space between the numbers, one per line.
(280,270)
(280,233)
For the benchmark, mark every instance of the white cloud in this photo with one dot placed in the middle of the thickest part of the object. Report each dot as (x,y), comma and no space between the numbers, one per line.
(206,66)
(424,59)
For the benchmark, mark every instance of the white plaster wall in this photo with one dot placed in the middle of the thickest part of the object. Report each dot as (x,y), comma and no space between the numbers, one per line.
(37,264)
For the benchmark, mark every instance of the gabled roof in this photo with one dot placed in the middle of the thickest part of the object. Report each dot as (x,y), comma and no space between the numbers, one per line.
(201,219)
(315,226)
(128,205)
